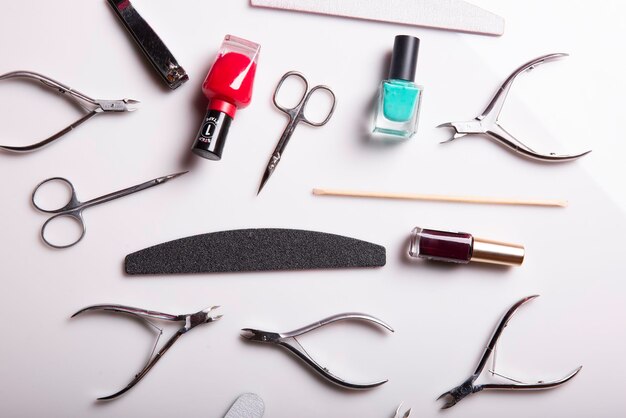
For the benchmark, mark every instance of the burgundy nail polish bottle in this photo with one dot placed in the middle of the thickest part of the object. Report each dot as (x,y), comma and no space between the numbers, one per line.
(462,248)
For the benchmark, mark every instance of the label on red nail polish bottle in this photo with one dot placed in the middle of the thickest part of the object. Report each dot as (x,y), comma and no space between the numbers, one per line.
(207,130)
(211,138)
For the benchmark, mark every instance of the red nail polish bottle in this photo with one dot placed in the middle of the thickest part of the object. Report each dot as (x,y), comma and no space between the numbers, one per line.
(228,86)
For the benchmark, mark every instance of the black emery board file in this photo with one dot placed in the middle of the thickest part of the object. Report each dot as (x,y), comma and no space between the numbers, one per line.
(255,250)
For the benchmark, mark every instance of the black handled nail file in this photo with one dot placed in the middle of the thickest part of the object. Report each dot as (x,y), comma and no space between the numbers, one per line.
(255,250)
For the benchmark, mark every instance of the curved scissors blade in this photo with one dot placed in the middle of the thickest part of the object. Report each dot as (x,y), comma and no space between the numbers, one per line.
(280,147)
(130,190)
(269,170)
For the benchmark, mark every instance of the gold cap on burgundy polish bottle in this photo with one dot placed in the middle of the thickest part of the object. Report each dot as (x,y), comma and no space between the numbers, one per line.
(494,252)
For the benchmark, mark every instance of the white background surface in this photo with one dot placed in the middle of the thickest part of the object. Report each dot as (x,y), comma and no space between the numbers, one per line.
(56,367)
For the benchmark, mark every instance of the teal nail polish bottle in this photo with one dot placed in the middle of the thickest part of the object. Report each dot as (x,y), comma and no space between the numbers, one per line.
(400,98)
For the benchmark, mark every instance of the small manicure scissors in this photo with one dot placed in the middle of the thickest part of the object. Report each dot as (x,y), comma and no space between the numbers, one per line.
(296,115)
(74,208)
(91,106)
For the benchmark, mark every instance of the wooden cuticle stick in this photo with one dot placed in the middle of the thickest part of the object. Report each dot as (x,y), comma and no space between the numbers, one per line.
(443,198)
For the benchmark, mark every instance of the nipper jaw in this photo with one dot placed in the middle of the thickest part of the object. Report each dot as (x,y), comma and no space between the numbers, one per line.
(261,336)
(455,395)
(199,318)
(123,105)
(461,129)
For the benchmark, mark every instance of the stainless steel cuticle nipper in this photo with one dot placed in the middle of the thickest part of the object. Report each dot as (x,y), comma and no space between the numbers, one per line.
(92,106)
(191,321)
(285,339)
(468,387)
(487,123)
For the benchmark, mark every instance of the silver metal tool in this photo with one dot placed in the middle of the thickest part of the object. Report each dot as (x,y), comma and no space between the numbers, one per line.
(289,341)
(191,321)
(399,414)
(487,123)
(468,387)
(73,209)
(455,15)
(296,115)
(248,405)
(92,106)
(151,45)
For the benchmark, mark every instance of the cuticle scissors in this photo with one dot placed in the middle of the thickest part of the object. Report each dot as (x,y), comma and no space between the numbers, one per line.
(487,123)
(74,208)
(296,115)
(92,106)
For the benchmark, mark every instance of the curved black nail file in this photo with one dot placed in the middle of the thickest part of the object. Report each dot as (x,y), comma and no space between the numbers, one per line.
(255,250)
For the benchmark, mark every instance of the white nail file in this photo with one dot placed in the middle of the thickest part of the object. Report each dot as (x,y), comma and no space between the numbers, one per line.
(455,15)
(248,405)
